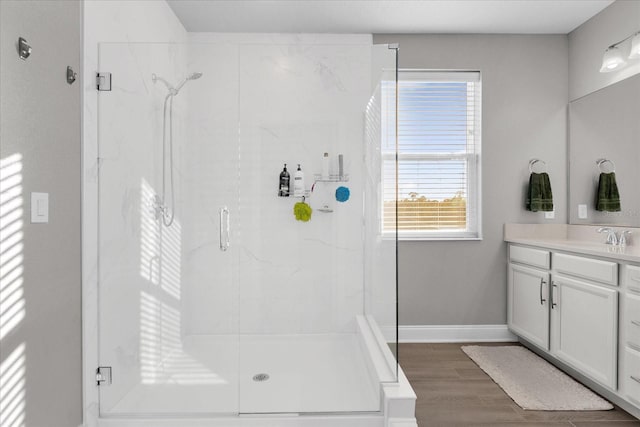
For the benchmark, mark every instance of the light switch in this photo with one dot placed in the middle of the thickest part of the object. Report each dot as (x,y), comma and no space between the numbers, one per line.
(39,208)
(582,211)
(550,215)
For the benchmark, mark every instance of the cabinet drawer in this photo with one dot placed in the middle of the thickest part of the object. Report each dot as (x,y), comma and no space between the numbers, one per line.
(587,268)
(632,375)
(632,319)
(633,278)
(534,257)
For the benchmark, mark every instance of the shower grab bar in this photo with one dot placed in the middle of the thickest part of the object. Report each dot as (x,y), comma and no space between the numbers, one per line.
(224,228)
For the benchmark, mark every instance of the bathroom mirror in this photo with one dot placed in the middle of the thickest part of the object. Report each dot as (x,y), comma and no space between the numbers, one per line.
(606,125)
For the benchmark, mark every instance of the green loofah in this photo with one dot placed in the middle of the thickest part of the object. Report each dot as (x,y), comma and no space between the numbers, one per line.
(302,211)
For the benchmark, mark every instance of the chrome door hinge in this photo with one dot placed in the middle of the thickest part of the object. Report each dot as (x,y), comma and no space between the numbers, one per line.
(103,375)
(103,81)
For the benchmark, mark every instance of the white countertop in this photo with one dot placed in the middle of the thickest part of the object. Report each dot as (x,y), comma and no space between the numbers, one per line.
(578,239)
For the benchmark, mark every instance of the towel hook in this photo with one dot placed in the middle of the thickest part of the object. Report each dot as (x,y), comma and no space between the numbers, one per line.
(533,162)
(602,162)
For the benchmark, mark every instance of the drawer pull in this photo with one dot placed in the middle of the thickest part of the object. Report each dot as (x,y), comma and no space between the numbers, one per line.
(636,379)
(635,322)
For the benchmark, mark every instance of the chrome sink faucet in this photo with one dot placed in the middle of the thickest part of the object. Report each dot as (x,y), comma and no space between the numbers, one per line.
(623,240)
(612,239)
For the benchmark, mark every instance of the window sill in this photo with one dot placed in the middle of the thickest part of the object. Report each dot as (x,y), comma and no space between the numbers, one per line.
(431,238)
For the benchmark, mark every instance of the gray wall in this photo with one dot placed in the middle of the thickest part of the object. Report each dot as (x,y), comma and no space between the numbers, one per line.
(588,42)
(40,121)
(524,98)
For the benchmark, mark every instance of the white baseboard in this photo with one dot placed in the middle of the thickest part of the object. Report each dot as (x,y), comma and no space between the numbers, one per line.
(452,333)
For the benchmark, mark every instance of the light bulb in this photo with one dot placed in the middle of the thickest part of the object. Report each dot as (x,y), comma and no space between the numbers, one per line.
(612,60)
(635,47)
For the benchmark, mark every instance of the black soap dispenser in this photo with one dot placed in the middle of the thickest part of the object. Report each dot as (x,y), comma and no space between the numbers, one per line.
(283,186)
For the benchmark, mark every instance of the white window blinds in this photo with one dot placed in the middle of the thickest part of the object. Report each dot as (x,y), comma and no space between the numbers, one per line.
(436,186)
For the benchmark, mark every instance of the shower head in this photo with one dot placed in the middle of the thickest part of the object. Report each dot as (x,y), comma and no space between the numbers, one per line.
(192,76)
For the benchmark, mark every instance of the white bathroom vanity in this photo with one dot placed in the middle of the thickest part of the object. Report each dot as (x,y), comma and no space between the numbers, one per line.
(575,300)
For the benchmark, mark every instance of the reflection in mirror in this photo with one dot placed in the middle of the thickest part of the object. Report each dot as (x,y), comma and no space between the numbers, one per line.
(604,135)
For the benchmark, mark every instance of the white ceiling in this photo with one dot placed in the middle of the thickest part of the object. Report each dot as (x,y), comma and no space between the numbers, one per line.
(386,16)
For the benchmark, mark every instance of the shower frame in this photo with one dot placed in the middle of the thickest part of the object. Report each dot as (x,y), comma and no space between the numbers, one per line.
(398,399)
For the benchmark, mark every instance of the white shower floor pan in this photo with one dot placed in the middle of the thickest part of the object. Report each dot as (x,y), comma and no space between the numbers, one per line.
(307,373)
(314,380)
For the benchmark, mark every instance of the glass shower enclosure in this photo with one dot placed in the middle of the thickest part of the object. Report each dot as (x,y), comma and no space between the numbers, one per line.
(213,299)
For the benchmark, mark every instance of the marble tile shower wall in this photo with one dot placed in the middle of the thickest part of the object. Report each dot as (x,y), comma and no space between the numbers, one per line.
(259,106)
(297,102)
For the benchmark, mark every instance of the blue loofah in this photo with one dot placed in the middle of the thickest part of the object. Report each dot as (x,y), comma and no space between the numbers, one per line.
(342,194)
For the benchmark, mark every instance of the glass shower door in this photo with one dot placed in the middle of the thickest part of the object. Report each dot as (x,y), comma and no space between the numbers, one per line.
(213,298)
(168,332)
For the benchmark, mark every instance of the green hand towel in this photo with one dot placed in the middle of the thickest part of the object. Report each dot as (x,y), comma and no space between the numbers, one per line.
(539,195)
(608,195)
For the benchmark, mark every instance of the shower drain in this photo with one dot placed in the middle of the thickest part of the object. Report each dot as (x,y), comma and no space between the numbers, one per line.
(261,377)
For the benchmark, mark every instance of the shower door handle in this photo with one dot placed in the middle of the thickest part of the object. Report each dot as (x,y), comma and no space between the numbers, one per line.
(224,228)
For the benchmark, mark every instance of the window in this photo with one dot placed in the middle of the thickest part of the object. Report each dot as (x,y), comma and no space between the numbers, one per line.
(438,147)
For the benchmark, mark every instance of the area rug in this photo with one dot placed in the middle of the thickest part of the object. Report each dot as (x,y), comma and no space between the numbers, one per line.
(532,382)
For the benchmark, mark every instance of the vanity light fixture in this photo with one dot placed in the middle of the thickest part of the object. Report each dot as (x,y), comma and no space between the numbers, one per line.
(614,59)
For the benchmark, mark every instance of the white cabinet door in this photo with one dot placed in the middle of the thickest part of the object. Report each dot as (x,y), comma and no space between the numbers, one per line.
(631,377)
(528,305)
(585,328)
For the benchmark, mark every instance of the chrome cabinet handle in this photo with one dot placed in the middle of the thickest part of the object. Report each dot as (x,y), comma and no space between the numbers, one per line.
(553,303)
(224,228)
(636,379)
(542,300)
(635,322)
